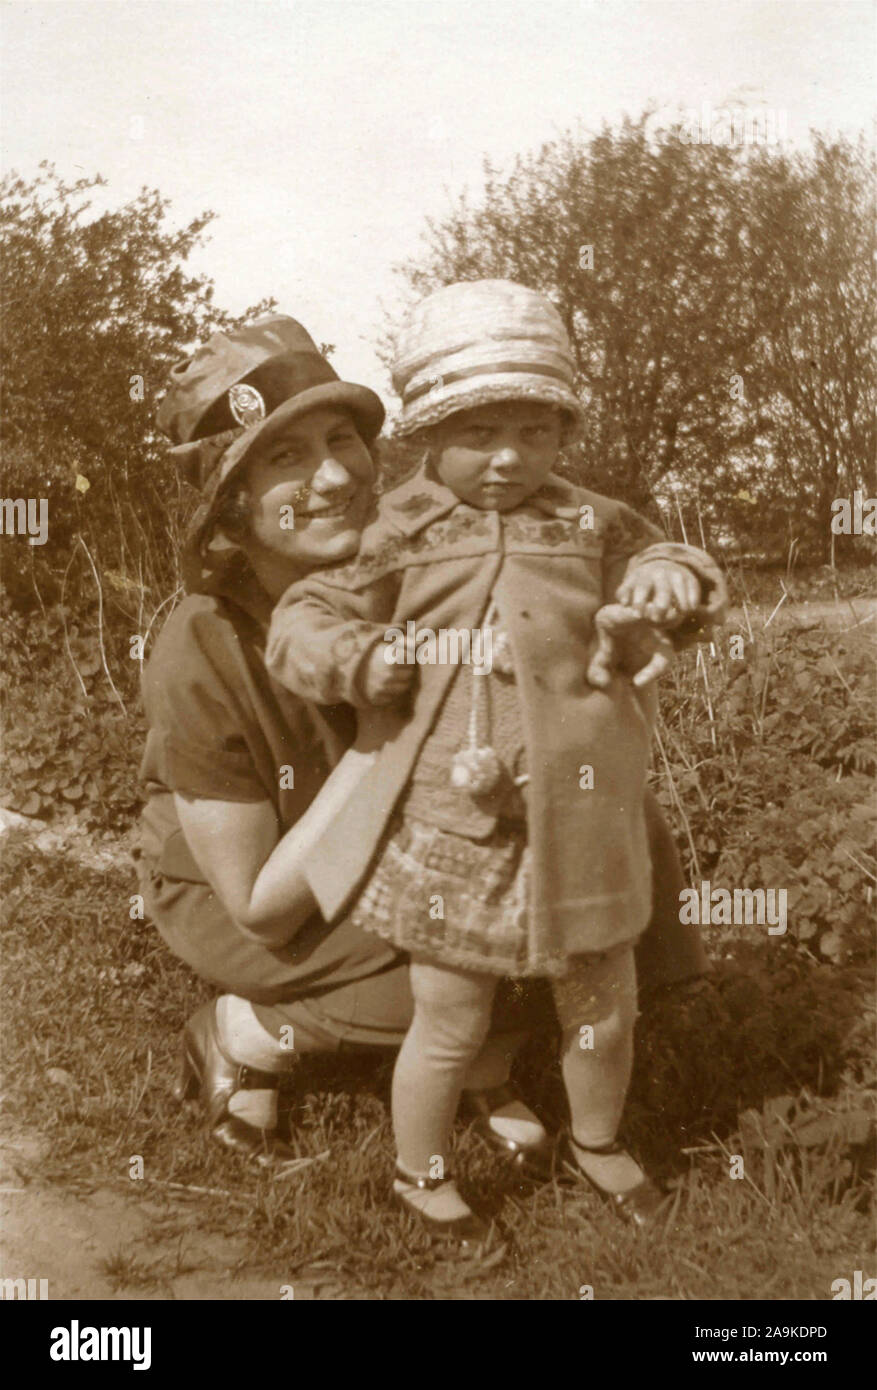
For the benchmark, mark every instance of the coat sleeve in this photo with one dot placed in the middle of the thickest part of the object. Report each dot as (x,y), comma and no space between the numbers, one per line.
(323,629)
(631,541)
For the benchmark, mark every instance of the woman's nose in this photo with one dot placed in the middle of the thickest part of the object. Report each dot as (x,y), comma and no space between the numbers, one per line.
(330,476)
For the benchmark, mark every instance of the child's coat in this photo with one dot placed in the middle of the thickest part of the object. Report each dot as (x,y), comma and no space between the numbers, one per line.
(430,558)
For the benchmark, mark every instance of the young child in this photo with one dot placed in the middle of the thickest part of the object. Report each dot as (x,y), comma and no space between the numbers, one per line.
(499,830)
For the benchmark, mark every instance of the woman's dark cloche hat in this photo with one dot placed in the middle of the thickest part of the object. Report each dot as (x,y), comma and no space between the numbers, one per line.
(240,389)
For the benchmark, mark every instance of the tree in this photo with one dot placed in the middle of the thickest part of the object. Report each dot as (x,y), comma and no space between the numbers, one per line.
(96,311)
(671,267)
(813,245)
(637,242)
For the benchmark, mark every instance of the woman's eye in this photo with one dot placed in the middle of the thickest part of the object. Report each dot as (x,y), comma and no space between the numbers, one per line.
(287,458)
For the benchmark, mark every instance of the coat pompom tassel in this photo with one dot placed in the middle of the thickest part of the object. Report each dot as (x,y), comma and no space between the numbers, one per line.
(477,770)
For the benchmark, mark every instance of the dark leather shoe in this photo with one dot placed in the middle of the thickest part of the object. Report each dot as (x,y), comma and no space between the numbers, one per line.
(468,1232)
(532,1160)
(640,1205)
(210,1075)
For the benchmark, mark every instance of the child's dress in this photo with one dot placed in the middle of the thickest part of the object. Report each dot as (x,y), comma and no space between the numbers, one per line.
(463,894)
(509,859)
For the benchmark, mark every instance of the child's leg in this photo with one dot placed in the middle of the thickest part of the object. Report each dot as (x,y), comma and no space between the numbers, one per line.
(597,1010)
(452,1011)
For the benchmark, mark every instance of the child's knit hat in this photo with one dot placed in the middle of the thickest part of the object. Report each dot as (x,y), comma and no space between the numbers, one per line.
(477,342)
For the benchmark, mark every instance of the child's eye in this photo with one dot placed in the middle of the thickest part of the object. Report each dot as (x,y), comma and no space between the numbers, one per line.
(478,435)
(342,440)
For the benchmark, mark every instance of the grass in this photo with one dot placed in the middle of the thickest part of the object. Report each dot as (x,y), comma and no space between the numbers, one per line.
(769,778)
(93,998)
(765,583)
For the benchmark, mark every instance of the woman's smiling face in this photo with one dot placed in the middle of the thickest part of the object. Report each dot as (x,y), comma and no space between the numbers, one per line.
(309,490)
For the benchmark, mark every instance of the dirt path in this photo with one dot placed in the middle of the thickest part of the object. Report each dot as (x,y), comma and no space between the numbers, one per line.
(98,1242)
(848,613)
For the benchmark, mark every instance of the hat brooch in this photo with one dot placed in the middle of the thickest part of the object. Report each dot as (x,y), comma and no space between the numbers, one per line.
(246,404)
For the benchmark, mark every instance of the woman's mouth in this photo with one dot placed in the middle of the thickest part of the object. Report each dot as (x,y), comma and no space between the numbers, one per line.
(329,513)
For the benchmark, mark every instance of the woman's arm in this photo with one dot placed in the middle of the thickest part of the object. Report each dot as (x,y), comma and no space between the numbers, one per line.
(257,876)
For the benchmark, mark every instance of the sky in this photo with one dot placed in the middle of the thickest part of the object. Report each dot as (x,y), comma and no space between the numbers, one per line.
(324,132)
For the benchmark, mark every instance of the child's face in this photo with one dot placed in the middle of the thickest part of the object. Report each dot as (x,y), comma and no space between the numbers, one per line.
(494,456)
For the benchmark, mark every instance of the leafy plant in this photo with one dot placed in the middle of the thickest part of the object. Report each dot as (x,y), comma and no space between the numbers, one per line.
(769,761)
(73,741)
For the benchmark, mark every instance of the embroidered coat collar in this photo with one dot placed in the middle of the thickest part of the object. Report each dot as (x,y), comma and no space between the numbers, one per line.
(423,499)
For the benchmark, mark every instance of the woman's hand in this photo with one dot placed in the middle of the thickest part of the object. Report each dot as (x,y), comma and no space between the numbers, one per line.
(661,591)
(383,682)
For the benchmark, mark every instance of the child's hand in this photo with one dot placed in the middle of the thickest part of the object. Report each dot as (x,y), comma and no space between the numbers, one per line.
(381,682)
(626,640)
(661,591)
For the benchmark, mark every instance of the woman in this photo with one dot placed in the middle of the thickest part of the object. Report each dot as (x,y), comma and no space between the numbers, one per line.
(237,771)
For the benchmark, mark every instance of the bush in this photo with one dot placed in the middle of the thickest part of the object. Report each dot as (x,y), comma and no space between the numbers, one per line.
(72,743)
(766,766)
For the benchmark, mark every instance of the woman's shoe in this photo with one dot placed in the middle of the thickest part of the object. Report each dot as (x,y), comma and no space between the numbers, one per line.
(209,1074)
(467,1231)
(639,1205)
(532,1158)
